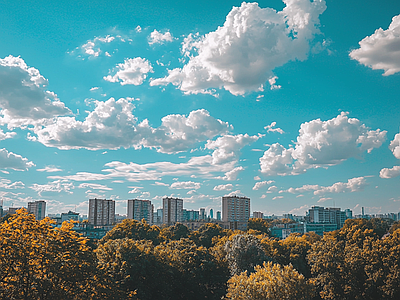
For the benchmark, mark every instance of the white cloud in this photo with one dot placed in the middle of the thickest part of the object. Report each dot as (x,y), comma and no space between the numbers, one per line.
(227,147)
(257,178)
(187,185)
(261,184)
(304,188)
(10,160)
(272,189)
(223,187)
(24,99)
(201,166)
(49,169)
(157,37)
(132,71)
(240,55)
(395,148)
(232,174)
(161,183)
(352,185)
(272,84)
(270,128)
(277,197)
(323,199)
(234,193)
(300,211)
(321,144)
(94,186)
(92,47)
(57,186)
(380,51)
(8,184)
(135,191)
(390,173)
(112,125)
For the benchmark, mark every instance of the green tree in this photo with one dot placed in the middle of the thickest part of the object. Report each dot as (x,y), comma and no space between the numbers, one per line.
(243,253)
(270,281)
(133,229)
(205,234)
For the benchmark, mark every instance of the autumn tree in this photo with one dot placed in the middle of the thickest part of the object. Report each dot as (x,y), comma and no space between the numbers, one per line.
(260,225)
(174,232)
(270,281)
(38,261)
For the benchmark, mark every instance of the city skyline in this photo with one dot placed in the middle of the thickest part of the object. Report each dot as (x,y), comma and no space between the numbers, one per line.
(292,104)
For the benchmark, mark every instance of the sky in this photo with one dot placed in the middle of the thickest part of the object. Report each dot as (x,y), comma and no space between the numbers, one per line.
(292,104)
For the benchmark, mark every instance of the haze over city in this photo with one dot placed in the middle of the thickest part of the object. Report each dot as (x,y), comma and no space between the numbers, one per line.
(292,104)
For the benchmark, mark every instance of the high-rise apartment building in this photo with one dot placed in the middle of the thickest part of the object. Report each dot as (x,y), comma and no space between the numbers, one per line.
(172,210)
(202,214)
(235,209)
(140,209)
(38,208)
(319,214)
(258,214)
(101,211)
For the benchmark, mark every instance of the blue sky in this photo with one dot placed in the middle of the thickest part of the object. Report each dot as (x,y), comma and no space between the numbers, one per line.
(292,104)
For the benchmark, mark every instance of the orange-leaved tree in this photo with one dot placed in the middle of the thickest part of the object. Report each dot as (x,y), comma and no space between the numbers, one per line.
(38,261)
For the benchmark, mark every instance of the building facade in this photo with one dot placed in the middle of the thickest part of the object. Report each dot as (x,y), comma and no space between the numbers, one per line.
(140,209)
(38,208)
(101,212)
(258,214)
(172,210)
(236,210)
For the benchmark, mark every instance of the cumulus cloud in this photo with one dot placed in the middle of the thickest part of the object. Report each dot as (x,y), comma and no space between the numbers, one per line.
(321,144)
(395,148)
(227,147)
(10,160)
(92,47)
(157,37)
(352,185)
(201,166)
(223,187)
(112,125)
(187,185)
(261,184)
(380,51)
(270,128)
(24,99)
(232,174)
(241,55)
(132,71)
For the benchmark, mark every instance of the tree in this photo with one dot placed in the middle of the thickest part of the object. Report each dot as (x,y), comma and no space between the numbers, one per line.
(38,261)
(133,229)
(270,281)
(243,253)
(129,266)
(175,232)
(259,224)
(205,234)
(196,273)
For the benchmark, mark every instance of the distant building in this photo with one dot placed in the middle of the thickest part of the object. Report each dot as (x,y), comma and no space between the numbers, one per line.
(101,212)
(211,213)
(236,210)
(319,214)
(191,215)
(219,216)
(70,216)
(158,216)
(38,208)
(258,214)
(140,209)
(172,210)
(202,213)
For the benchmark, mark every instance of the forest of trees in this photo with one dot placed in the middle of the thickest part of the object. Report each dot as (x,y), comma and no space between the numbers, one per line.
(139,261)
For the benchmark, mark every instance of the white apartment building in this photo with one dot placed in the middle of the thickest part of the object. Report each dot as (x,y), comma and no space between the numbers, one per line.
(172,210)
(140,209)
(101,211)
(38,208)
